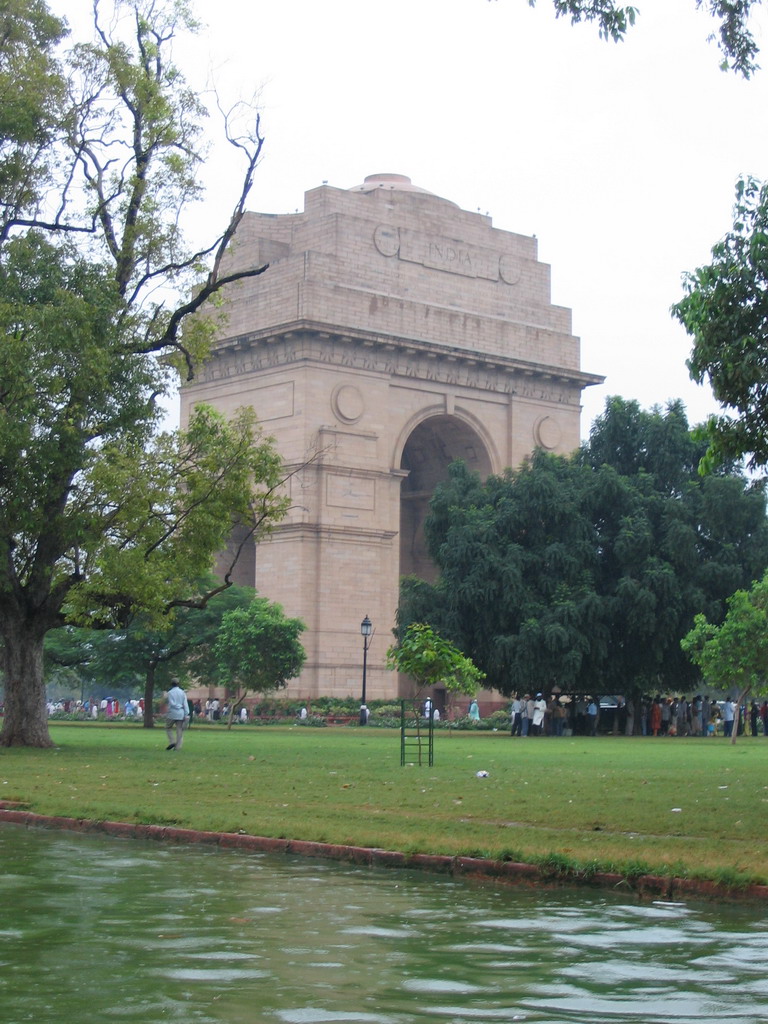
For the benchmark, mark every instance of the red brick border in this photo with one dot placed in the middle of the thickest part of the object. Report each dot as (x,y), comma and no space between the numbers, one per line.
(476,868)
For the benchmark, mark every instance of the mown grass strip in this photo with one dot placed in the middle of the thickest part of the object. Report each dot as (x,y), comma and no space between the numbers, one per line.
(683,807)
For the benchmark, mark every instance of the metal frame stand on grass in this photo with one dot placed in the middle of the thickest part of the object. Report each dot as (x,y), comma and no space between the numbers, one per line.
(417,734)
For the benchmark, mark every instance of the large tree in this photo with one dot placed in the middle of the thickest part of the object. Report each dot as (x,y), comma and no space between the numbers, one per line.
(586,574)
(147,652)
(100,517)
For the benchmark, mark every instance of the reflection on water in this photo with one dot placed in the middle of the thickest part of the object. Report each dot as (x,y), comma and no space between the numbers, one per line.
(99,929)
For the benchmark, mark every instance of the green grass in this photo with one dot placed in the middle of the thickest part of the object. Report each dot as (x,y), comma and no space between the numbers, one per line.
(584,804)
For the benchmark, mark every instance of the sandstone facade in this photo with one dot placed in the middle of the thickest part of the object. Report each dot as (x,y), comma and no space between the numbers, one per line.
(392,333)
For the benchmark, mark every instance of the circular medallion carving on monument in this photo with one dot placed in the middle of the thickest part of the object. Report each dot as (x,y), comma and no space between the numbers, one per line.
(347,403)
(547,433)
(387,240)
(509,269)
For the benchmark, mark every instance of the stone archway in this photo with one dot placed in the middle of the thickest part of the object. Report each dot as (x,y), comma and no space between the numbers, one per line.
(431,447)
(392,334)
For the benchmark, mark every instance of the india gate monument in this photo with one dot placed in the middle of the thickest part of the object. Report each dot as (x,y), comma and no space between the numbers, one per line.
(392,333)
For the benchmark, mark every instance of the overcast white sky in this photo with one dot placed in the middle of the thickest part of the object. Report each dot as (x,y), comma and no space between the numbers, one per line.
(621,159)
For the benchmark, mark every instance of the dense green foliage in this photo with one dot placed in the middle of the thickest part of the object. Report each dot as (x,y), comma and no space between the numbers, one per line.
(735,652)
(32,91)
(587,571)
(725,310)
(145,654)
(102,518)
(432,660)
(257,648)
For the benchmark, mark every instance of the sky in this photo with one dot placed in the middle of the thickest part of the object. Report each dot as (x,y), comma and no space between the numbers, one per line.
(621,158)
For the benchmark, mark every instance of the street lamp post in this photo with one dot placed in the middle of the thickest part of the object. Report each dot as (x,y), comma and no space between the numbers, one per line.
(366,631)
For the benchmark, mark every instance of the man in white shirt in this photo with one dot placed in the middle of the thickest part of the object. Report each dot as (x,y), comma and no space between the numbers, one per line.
(176,716)
(539,710)
(729,712)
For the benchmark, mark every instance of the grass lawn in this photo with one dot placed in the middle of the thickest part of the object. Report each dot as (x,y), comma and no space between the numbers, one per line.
(688,807)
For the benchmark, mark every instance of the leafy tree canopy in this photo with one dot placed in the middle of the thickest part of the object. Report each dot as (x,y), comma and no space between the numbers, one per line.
(576,572)
(258,648)
(725,310)
(147,652)
(433,661)
(32,93)
(104,520)
(735,652)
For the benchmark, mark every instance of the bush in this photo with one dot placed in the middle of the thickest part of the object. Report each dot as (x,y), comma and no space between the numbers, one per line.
(386,711)
(499,720)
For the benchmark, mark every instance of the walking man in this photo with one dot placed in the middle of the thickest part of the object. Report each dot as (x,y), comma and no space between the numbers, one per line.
(176,716)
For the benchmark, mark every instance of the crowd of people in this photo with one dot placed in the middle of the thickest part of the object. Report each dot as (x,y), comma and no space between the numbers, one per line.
(677,716)
(213,710)
(107,707)
(581,715)
(535,715)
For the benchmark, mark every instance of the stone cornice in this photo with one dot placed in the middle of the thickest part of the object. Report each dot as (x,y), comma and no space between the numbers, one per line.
(343,534)
(307,342)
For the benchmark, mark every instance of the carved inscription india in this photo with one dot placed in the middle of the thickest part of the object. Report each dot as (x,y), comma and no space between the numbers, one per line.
(446,254)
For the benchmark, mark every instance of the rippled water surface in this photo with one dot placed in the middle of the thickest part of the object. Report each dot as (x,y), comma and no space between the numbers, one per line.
(99,929)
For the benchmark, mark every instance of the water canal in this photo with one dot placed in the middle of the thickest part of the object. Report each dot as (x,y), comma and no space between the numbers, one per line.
(95,929)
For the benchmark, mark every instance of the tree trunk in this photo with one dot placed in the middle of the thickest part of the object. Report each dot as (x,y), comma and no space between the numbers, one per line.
(737,715)
(25,723)
(234,706)
(149,697)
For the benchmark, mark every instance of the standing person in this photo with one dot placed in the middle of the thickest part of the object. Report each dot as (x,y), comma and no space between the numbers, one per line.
(592,711)
(539,710)
(666,716)
(728,715)
(558,717)
(525,718)
(516,714)
(528,716)
(681,713)
(697,705)
(754,715)
(706,715)
(176,716)
(656,716)
(474,710)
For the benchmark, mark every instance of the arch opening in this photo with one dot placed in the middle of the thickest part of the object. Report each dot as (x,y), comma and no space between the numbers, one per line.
(430,449)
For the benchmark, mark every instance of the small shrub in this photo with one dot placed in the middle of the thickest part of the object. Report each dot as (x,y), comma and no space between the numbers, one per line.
(498,720)
(386,711)
(312,722)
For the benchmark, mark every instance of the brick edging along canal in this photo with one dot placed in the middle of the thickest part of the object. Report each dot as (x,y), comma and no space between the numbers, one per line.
(476,868)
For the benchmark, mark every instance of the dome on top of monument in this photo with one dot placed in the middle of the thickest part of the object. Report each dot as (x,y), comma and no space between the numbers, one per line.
(390,182)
